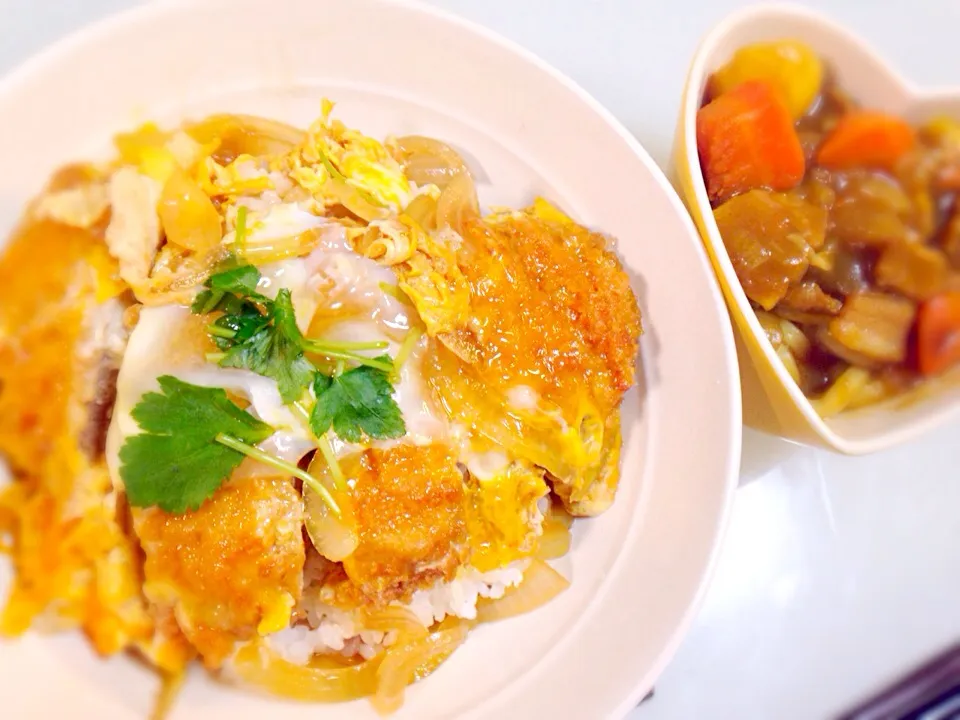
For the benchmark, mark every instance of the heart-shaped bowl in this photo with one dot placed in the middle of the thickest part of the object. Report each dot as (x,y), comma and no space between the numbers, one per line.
(772,401)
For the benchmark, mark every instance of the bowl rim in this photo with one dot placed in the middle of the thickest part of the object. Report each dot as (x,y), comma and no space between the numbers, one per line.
(697,74)
(52,54)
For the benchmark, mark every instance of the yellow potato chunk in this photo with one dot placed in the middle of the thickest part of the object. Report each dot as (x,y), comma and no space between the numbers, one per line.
(789,65)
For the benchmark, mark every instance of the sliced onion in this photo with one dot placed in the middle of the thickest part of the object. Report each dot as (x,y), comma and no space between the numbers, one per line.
(405,664)
(457,203)
(541,584)
(423,211)
(166,291)
(427,161)
(260,667)
(558,514)
(395,619)
(334,537)
(187,214)
(354,200)
(275,250)
(245,135)
(555,541)
(176,275)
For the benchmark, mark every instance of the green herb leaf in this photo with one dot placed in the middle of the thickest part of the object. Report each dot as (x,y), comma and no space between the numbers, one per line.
(356,404)
(256,333)
(241,280)
(238,325)
(206,302)
(259,334)
(177,463)
(275,350)
(231,279)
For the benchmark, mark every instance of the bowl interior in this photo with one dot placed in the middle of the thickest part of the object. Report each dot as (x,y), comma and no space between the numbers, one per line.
(772,401)
(637,571)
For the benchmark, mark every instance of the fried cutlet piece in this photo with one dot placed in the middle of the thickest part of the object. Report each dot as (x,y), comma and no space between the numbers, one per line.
(232,568)
(551,307)
(553,322)
(575,268)
(410,508)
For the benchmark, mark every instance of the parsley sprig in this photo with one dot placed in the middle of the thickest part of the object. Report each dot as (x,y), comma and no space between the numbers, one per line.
(357,403)
(193,439)
(261,334)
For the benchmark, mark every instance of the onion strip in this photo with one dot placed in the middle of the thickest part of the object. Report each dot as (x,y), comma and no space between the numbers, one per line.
(279,248)
(457,203)
(404,664)
(245,135)
(427,161)
(395,619)
(541,584)
(555,541)
(558,514)
(334,537)
(423,211)
(260,667)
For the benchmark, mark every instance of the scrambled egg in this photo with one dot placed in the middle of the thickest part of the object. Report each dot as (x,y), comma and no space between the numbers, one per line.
(158,154)
(75,566)
(332,151)
(426,268)
(243,176)
(504,514)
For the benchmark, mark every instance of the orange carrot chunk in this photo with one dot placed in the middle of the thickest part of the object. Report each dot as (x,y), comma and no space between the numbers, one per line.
(938,333)
(746,140)
(865,138)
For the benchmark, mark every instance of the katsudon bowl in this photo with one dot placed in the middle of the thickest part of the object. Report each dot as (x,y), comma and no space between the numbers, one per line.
(528,213)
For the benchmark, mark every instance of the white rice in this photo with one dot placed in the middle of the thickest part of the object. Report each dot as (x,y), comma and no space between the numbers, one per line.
(459,597)
(329,630)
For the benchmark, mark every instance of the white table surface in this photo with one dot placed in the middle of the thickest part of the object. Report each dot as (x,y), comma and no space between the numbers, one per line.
(838,574)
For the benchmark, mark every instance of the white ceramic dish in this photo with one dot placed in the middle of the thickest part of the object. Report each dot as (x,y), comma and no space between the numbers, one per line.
(772,401)
(639,571)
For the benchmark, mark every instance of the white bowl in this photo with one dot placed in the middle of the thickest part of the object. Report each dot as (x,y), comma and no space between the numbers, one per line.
(772,401)
(638,571)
